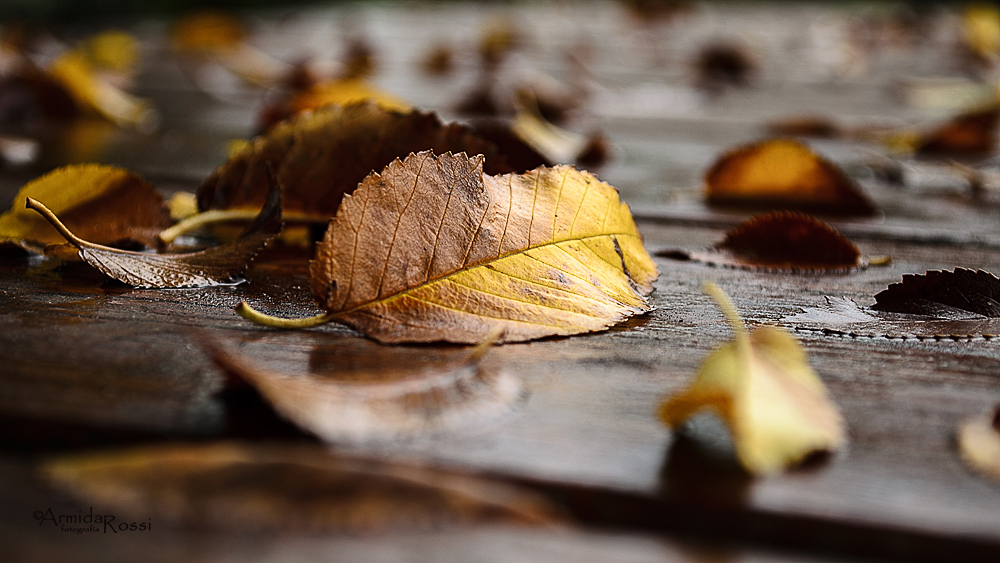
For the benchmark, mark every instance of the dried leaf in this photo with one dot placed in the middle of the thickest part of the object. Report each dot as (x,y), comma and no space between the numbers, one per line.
(385,399)
(319,156)
(301,488)
(207,31)
(979,444)
(981,32)
(763,389)
(317,95)
(103,204)
(783,173)
(32,102)
(220,265)
(723,65)
(520,156)
(960,295)
(974,132)
(76,71)
(432,249)
(781,241)
(806,126)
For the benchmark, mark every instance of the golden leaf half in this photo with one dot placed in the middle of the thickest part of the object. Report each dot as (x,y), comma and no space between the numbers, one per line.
(783,173)
(102,204)
(762,387)
(291,488)
(979,444)
(432,249)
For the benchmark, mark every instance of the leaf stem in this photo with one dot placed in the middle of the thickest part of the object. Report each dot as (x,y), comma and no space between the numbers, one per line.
(49,216)
(724,303)
(212,216)
(255,316)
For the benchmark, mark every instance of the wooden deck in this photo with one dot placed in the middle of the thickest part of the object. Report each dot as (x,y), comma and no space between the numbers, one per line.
(86,364)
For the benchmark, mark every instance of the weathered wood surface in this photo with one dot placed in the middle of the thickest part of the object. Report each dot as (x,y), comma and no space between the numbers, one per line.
(84,362)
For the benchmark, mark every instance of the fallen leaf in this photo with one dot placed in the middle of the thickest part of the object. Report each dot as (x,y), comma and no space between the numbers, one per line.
(290,488)
(76,72)
(722,65)
(520,156)
(32,102)
(439,60)
(220,37)
(385,398)
(981,32)
(221,265)
(973,132)
(805,126)
(783,173)
(979,444)
(761,386)
(103,204)
(556,144)
(359,60)
(432,249)
(782,241)
(319,156)
(960,295)
(342,91)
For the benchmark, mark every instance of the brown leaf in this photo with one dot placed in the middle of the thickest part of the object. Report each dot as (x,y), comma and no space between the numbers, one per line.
(215,266)
(973,133)
(979,444)
(315,95)
(783,173)
(781,241)
(960,295)
(722,65)
(433,249)
(102,204)
(319,156)
(395,394)
(805,126)
(291,488)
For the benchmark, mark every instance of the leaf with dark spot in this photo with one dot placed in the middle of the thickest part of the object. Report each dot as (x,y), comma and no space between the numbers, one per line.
(780,241)
(432,249)
(960,295)
(215,266)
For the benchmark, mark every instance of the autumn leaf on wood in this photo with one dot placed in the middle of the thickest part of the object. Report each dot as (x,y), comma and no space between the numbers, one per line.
(981,33)
(979,444)
(780,241)
(783,173)
(220,265)
(381,401)
(959,295)
(432,249)
(974,132)
(291,488)
(806,126)
(103,204)
(341,91)
(221,38)
(76,71)
(763,389)
(319,156)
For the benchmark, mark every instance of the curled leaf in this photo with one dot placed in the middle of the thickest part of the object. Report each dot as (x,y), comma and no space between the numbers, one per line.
(959,295)
(298,488)
(433,249)
(76,71)
(103,204)
(385,398)
(973,132)
(783,173)
(781,241)
(979,444)
(215,266)
(761,386)
(319,156)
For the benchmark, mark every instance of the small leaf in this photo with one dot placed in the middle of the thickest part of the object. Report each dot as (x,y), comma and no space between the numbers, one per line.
(763,389)
(979,444)
(783,173)
(974,132)
(293,488)
(384,400)
(102,204)
(781,241)
(75,70)
(432,249)
(215,266)
(339,91)
(960,295)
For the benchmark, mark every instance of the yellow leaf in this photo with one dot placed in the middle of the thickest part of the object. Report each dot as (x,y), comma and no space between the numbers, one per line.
(979,444)
(432,249)
(75,71)
(113,50)
(345,92)
(206,32)
(981,30)
(762,387)
(103,204)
